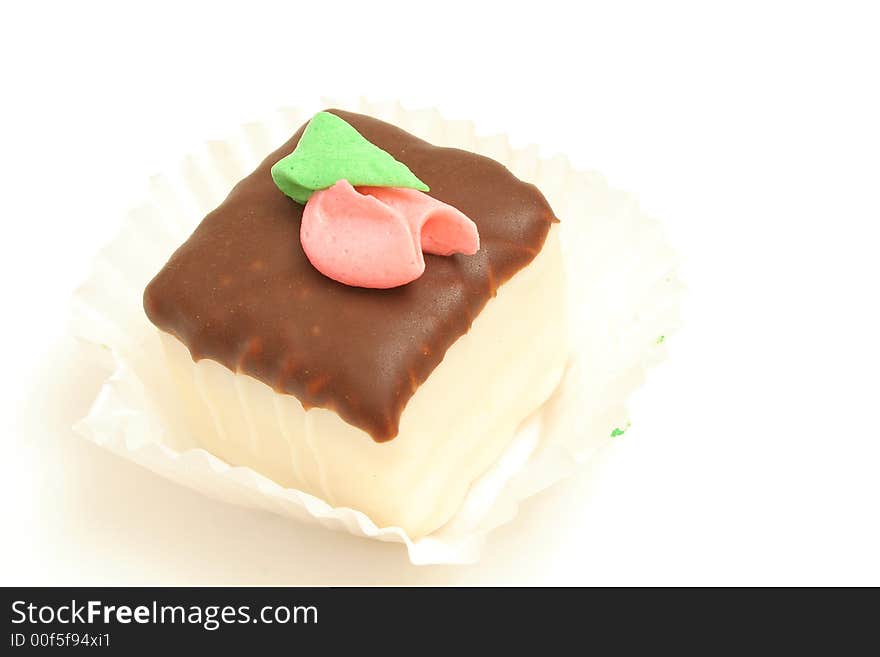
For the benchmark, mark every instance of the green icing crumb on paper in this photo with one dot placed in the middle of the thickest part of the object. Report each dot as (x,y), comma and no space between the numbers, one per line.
(331,150)
(619,432)
(661,339)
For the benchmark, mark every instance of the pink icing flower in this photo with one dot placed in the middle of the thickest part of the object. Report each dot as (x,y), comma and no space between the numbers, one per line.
(374,236)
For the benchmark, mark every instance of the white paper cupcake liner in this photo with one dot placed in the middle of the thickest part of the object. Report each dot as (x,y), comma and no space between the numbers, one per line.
(623,298)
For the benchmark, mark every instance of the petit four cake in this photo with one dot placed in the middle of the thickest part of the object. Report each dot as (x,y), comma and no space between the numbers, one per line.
(367,318)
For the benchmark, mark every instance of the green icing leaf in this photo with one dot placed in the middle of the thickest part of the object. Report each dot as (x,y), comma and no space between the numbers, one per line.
(330,150)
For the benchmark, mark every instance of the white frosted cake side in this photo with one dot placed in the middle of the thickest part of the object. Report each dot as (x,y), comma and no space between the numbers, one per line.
(452,430)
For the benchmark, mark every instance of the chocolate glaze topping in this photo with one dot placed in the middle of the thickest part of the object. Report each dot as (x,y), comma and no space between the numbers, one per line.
(241,292)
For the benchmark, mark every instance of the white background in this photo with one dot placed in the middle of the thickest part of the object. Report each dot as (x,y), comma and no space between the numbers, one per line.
(750,129)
